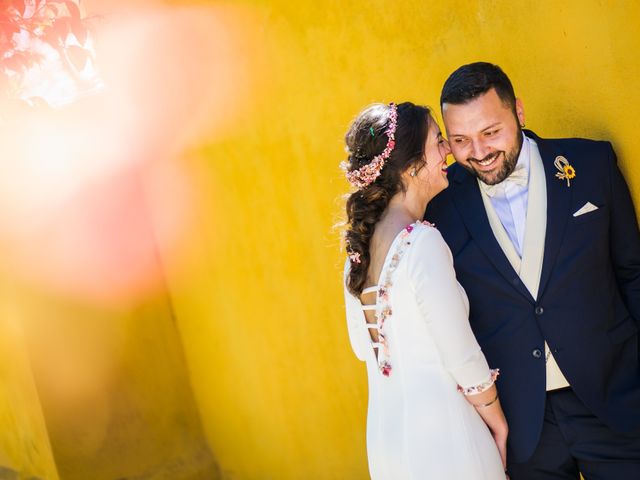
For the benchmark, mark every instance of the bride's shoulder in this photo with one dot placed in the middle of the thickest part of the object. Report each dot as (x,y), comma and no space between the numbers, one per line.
(423,225)
(424,229)
(419,231)
(427,239)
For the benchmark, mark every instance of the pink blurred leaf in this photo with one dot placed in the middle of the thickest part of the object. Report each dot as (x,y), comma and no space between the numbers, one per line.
(19,5)
(74,11)
(78,56)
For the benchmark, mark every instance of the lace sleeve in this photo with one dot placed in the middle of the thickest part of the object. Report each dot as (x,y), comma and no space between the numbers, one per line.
(481,387)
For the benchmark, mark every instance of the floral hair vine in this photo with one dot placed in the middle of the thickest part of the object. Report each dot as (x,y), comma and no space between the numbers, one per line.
(367,174)
(353,255)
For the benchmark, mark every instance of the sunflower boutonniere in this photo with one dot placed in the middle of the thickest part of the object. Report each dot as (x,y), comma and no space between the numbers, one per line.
(566,171)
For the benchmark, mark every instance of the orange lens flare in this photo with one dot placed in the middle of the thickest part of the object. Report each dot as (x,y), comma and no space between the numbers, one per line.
(93,196)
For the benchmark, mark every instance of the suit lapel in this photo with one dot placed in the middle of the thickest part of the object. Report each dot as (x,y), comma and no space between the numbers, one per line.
(536,222)
(469,203)
(558,208)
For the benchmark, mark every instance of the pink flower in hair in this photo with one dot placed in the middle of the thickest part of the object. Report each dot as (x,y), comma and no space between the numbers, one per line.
(367,174)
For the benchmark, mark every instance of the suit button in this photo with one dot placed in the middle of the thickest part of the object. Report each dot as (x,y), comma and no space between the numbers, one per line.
(537,353)
(539,310)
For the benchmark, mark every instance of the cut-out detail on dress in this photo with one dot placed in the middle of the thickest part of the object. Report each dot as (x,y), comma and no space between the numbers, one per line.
(372,289)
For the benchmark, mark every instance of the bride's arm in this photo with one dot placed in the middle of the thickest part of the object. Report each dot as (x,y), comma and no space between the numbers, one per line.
(488,406)
(358,334)
(445,311)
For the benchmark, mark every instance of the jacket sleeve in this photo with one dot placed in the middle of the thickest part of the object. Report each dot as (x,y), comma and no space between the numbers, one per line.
(624,238)
(444,309)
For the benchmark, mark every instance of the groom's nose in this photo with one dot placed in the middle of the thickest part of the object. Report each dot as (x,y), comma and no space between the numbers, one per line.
(478,149)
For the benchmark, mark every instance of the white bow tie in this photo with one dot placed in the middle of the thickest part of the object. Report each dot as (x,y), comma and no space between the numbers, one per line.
(519,176)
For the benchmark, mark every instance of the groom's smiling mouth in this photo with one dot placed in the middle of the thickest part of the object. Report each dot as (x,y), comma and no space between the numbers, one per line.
(488,162)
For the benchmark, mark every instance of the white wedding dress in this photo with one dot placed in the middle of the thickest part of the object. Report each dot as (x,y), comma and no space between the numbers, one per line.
(419,425)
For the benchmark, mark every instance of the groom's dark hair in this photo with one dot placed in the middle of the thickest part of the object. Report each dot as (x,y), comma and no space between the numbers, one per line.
(474,79)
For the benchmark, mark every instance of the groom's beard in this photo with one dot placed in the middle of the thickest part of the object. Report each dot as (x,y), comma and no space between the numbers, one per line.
(508,165)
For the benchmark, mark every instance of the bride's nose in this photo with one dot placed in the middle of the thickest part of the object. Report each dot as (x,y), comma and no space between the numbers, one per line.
(446,148)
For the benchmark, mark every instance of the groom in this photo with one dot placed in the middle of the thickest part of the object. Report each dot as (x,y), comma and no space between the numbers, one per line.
(546,244)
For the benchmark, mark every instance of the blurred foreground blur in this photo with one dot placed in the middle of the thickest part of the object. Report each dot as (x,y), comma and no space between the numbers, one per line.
(97,199)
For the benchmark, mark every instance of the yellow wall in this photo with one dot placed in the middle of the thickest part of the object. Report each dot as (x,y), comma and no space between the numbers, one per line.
(24,440)
(259,326)
(89,392)
(280,393)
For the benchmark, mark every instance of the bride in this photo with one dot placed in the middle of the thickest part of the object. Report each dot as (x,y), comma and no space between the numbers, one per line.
(434,411)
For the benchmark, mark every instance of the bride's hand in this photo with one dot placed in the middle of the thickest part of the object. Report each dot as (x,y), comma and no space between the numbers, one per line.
(500,437)
(487,404)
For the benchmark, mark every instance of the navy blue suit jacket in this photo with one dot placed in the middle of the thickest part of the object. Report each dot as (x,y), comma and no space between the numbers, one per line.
(588,305)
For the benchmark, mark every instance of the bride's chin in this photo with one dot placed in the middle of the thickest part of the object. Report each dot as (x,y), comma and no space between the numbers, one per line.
(442,187)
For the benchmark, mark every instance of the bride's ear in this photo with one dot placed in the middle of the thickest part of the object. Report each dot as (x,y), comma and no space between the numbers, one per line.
(406,178)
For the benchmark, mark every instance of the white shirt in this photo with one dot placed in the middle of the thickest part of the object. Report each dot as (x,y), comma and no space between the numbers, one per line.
(510,201)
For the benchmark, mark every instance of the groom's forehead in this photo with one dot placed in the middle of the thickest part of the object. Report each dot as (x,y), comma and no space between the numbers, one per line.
(480,112)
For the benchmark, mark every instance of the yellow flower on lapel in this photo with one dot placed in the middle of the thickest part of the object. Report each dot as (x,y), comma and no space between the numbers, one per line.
(566,171)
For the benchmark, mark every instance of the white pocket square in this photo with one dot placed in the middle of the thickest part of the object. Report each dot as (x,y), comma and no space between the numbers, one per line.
(586,208)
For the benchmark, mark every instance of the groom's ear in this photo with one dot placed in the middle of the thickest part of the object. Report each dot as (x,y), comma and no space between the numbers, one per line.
(520,112)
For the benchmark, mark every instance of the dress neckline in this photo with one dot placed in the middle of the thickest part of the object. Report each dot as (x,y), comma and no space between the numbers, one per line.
(408,229)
